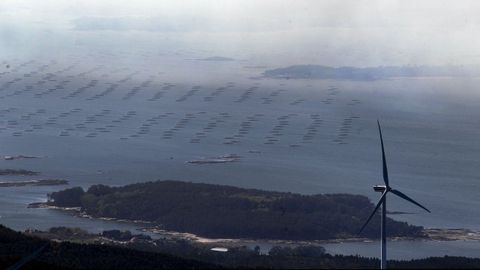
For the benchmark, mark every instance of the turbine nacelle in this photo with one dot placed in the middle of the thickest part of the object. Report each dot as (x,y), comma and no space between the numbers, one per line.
(380,188)
(384,189)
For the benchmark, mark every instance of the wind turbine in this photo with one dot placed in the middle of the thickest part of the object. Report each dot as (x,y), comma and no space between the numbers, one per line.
(385,189)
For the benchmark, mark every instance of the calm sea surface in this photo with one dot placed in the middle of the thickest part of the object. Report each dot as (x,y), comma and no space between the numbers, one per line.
(91,121)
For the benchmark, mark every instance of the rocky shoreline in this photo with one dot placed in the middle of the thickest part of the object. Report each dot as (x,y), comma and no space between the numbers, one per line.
(432,234)
(452,234)
(77,211)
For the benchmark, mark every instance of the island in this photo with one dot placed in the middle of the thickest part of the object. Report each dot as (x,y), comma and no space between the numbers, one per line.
(216,59)
(19,172)
(215,160)
(19,157)
(218,211)
(42,182)
(364,73)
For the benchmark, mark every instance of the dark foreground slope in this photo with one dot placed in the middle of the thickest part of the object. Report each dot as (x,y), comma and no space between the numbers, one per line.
(15,246)
(224,211)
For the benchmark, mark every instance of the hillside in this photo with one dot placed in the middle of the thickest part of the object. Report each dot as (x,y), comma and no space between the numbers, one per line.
(15,246)
(136,255)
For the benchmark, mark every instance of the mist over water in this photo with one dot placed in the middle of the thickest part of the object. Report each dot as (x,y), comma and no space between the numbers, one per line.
(132,94)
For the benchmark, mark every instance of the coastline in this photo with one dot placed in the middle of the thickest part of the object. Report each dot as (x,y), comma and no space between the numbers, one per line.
(432,234)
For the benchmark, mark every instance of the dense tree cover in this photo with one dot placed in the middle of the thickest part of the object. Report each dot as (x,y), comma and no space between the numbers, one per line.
(291,257)
(225,211)
(14,246)
(67,233)
(301,257)
(299,251)
(69,197)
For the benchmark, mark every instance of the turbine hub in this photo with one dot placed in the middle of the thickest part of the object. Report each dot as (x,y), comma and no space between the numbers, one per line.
(380,188)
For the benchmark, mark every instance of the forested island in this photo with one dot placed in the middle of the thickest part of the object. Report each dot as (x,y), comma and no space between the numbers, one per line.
(364,73)
(218,211)
(217,58)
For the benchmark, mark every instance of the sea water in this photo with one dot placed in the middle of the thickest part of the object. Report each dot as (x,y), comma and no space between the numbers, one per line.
(302,136)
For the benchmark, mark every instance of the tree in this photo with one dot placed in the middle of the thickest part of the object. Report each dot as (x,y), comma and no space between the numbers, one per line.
(71,197)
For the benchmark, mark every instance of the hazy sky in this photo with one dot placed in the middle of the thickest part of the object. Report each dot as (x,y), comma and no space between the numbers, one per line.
(337,32)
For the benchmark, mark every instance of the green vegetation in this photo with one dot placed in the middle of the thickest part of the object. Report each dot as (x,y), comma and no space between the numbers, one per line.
(223,211)
(71,197)
(15,246)
(145,253)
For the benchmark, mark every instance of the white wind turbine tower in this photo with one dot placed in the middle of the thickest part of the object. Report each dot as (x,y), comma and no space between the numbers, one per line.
(385,189)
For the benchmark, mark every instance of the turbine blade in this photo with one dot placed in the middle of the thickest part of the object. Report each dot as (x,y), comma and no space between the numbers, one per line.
(385,171)
(403,196)
(374,211)
(27,259)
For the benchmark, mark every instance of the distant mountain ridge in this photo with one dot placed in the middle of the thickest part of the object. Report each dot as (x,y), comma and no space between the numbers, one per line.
(365,73)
